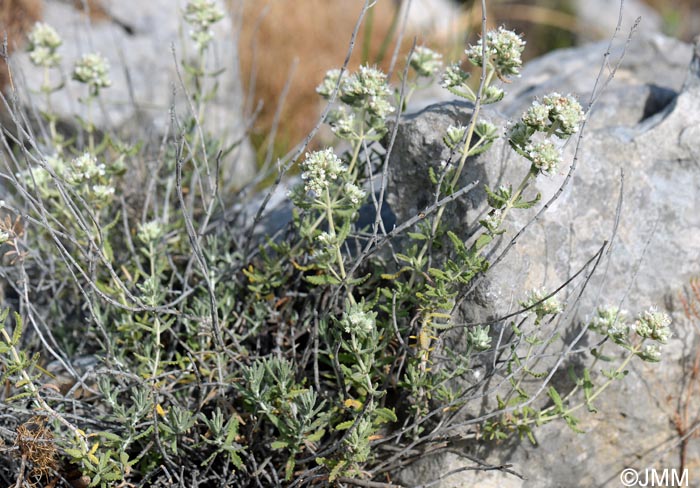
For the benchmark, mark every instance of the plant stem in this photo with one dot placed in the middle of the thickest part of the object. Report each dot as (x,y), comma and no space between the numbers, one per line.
(331,231)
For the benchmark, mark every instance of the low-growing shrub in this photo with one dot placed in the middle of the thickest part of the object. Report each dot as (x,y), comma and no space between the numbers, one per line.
(144,349)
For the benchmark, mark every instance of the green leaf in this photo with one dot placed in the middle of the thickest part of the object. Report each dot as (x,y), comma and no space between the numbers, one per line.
(588,390)
(360,280)
(476,150)
(385,415)
(17,334)
(417,236)
(433,177)
(482,241)
(337,470)
(344,425)
(386,276)
(522,204)
(111,436)
(554,395)
(323,279)
(572,422)
(456,241)
(289,468)
(316,436)
(19,396)
(75,454)
(235,459)
(276,445)
(437,273)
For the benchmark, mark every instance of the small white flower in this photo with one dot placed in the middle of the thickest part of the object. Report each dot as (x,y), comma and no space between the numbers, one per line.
(537,116)
(102,193)
(454,77)
(201,15)
(612,322)
(326,239)
(541,307)
(93,70)
(493,94)
(329,83)
(425,61)
(151,231)
(651,353)
(478,337)
(84,168)
(354,194)
(545,156)
(454,136)
(504,49)
(652,324)
(357,321)
(319,169)
(44,42)
(493,220)
(566,111)
(367,89)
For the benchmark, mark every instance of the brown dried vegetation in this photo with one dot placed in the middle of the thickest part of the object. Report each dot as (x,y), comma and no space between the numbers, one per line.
(36,447)
(686,419)
(16,18)
(296,42)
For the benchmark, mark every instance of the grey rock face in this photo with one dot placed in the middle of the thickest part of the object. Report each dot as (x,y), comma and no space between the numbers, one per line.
(138,38)
(647,125)
(601,16)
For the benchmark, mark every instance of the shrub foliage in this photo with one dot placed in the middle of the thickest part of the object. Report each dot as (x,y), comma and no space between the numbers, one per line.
(157,337)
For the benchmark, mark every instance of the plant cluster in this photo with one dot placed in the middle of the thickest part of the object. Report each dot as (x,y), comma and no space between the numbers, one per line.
(304,358)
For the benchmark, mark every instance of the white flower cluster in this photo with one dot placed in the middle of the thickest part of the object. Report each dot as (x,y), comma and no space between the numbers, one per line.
(319,169)
(330,81)
(654,325)
(367,102)
(504,50)
(151,232)
(536,304)
(454,77)
(425,61)
(84,168)
(85,171)
(454,135)
(650,325)
(367,89)
(44,42)
(357,321)
(557,113)
(493,220)
(354,194)
(612,322)
(564,111)
(93,70)
(478,338)
(545,156)
(201,15)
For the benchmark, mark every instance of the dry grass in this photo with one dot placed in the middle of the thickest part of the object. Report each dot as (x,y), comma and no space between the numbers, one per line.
(299,40)
(16,18)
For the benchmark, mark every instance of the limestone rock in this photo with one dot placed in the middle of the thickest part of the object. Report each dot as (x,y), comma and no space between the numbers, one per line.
(646,125)
(138,38)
